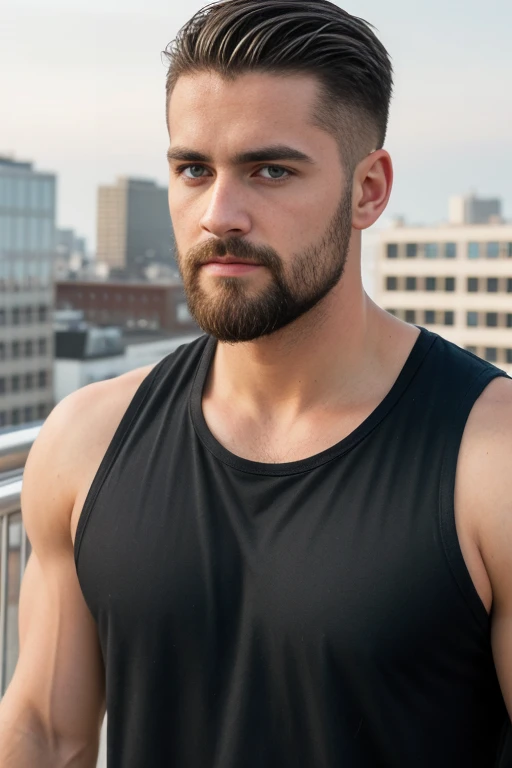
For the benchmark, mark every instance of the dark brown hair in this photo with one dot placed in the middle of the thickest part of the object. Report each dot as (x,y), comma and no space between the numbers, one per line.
(315,37)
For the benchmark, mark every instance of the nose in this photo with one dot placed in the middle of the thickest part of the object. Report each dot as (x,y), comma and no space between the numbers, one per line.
(225,213)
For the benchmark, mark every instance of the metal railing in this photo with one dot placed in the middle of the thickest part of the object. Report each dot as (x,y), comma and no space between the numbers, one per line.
(15,444)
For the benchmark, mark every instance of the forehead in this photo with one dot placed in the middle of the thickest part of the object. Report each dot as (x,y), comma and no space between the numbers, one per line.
(252,108)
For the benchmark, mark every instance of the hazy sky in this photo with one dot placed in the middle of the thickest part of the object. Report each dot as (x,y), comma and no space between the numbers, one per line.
(82,94)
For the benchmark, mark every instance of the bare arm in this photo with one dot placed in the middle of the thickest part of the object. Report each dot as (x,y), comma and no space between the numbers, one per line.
(484,491)
(51,714)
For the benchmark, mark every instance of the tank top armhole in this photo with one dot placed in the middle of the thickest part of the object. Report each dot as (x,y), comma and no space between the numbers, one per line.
(109,457)
(448,528)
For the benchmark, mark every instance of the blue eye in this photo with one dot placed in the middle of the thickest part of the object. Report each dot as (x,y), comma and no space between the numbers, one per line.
(196,171)
(275,172)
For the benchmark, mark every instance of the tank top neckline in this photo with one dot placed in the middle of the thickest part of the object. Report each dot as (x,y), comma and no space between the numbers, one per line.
(413,362)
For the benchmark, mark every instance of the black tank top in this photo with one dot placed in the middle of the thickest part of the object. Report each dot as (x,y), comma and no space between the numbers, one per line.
(312,614)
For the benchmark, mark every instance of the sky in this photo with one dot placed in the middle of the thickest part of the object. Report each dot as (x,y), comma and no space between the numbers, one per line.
(82,90)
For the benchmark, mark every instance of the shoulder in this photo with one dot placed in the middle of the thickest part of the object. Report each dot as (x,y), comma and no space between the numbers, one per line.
(70,446)
(484,479)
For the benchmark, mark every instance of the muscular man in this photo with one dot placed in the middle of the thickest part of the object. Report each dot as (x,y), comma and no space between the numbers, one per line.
(289,543)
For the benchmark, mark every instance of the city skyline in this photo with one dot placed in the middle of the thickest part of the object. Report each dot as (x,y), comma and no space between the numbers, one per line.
(86,96)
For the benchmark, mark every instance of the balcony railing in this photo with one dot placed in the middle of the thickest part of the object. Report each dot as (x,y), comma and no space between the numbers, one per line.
(15,445)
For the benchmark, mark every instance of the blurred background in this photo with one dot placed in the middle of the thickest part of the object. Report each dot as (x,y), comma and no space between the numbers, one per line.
(88,283)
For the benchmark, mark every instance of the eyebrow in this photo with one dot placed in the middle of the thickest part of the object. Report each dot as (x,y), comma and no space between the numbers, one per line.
(271,153)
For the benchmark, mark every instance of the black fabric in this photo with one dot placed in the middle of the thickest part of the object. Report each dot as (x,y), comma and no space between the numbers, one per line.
(314,614)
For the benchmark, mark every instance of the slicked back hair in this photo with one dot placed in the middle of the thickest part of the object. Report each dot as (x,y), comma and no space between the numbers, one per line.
(301,37)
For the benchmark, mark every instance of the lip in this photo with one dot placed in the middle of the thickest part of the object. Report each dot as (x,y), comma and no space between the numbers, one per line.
(229,267)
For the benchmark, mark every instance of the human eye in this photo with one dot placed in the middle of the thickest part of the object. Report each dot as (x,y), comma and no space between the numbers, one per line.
(274,173)
(191,172)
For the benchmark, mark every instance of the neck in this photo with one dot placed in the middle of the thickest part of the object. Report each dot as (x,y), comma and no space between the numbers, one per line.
(328,358)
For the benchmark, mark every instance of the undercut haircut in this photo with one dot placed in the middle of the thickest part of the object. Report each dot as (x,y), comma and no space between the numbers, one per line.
(296,37)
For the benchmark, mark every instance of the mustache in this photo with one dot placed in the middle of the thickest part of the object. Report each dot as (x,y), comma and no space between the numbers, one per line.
(234,246)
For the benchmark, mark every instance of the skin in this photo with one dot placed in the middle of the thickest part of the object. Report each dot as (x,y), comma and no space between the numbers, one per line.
(298,391)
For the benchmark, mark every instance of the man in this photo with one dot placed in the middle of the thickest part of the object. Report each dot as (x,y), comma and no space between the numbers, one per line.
(289,542)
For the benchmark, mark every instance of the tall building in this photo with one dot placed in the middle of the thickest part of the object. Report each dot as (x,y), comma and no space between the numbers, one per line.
(134,229)
(454,280)
(475,210)
(27,247)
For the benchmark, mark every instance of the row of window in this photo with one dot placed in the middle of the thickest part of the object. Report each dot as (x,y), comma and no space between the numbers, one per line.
(24,415)
(25,315)
(26,194)
(492,354)
(18,349)
(447,317)
(427,316)
(23,382)
(142,298)
(490,250)
(399,283)
(473,284)
(27,233)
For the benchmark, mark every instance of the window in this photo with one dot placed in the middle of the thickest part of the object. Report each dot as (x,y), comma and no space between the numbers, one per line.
(410,283)
(2,350)
(492,250)
(391,253)
(29,348)
(15,383)
(430,317)
(450,250)
(2,385)
(472,319)
(491,319)
(28,315)
(431,250)
(391,312)
(509,355)
(430,283)
(42,379)
(509,320)
(15,350)
(391,283)
(42,346)
(42,313)
(449,284)
(29,381)
(3,418)
(2,316)
(41,411)
(15,416)
(449,317)
(471,349)
(28,413)
(509,250)
(509,284)
(411,250)
(472,284)
(473,250)
(492,285)
(410,315)
(15,316)
(491,354)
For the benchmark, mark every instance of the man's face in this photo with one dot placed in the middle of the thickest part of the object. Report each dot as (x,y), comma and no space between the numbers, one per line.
(260,204)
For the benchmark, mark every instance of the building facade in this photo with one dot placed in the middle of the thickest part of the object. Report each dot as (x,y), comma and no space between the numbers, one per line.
(134,229)
(27,249)
(129,305)
(454,280)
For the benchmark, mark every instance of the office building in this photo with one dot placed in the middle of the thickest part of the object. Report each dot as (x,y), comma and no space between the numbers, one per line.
(454,280)
(27,249)
(134,228)
(471,209)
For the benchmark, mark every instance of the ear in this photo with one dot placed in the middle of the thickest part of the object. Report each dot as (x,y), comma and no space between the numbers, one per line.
(373,180)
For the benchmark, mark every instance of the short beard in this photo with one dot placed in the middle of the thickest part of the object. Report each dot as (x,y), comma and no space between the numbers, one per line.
(231,313)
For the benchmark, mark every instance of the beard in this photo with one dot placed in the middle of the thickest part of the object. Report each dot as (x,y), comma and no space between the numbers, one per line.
(231,312)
